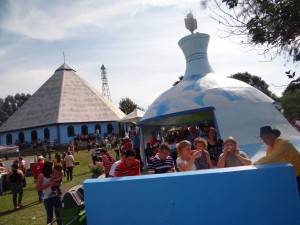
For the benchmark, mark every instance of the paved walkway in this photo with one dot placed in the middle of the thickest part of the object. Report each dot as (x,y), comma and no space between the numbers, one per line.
(8,163)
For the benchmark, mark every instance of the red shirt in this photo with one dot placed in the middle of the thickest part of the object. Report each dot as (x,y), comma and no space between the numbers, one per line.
(152,141)
(37,169)
(107,163)
(123,170)
(127,146)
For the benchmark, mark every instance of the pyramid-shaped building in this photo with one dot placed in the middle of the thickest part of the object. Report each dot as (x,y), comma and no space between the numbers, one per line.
(64,106)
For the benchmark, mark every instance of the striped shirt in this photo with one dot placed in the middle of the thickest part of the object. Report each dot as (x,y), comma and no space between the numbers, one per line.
(123,170)
(157,165)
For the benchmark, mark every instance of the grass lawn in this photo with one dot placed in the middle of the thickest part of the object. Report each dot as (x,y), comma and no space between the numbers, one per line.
(32,212)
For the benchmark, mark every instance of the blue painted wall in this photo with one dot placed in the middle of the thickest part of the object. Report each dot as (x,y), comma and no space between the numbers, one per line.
(58,132)
(249,195)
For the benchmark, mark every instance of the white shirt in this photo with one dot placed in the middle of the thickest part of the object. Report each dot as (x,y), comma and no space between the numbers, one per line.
(113,168)
(179,160)
(69,159)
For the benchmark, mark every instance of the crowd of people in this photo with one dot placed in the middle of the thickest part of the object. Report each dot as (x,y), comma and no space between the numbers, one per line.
(48,177)
(197,153)
(194,151)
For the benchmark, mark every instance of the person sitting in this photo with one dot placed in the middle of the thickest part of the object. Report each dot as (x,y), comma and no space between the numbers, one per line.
(214,146)
(186,159)
(130,166)
(279,150)
(114,166)
(162,162)
(232,156)
(202,162)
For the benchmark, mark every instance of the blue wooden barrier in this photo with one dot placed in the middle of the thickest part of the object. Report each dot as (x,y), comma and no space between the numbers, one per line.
(249,195)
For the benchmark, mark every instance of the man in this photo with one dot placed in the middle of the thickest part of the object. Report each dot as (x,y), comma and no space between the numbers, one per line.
(129,166)
(114,166)
(279,150)
(136,147)
(193,133)
(127,144)
(162,162)
(37,169)
(70,163)
(153,139)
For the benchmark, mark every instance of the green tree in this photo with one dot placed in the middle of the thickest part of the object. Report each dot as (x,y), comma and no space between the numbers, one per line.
(295,83)
(290,102)
(254,81)
(127,106)
(271,24)
(10,105)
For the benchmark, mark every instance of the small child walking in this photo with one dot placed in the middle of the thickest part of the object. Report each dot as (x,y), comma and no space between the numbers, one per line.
(57,176)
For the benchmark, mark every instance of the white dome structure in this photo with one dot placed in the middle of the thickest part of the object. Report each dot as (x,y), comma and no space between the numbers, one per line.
(236,108)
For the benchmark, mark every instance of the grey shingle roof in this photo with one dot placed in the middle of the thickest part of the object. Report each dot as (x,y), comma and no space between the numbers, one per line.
(64,98)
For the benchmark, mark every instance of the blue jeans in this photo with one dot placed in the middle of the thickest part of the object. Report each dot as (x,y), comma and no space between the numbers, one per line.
(40,193)
(50,203)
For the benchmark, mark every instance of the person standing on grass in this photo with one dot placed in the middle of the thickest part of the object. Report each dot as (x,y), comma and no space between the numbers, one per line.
(45,184)
(107,160)
(14,178)
(37,169)
(70,163)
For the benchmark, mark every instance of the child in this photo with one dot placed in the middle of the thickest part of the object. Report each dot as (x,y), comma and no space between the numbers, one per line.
(57,176)
(204,161)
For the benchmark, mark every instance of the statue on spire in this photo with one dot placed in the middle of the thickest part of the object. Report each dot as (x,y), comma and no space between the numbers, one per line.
(190,22)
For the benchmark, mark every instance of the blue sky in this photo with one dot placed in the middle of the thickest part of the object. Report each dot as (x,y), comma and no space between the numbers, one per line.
(136,40)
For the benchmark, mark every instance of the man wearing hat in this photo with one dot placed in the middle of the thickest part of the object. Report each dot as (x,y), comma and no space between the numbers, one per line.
(127,144)
(279,150)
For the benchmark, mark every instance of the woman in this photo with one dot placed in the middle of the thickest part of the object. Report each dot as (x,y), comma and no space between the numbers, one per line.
(214,145)
(15,177)
(232,156)
(203,162)
(63,162)
(107,160)
(186,159)
(45,184)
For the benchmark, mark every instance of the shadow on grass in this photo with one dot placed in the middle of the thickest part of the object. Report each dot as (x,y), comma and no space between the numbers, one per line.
(23,207)
(80,174)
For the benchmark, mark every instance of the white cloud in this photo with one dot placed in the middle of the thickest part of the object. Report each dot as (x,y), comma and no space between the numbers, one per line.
(136,40)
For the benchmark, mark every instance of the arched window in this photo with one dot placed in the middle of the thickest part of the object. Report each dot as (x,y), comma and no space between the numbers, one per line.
(110,128)
(33,135)
(84,130)
(8,139)
(21,137)
(46,134)
(98,127)
(71,132)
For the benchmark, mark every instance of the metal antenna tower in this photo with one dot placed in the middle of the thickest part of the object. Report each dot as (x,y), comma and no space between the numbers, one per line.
(105,87)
